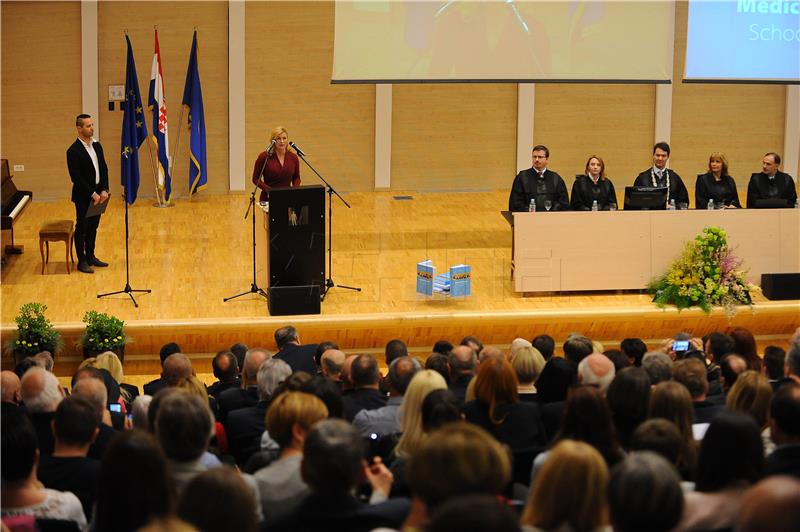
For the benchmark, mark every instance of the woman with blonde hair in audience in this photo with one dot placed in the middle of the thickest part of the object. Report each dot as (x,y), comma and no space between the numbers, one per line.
(423,383)
(671,401)
(527,363)
(570,491)
(751,394)
(111,362)
(289,419)
(498,410)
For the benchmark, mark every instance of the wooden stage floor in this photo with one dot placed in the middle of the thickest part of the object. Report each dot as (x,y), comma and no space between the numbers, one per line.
(194,254)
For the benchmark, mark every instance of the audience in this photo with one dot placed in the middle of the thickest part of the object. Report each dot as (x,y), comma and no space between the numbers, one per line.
(94,390)
(41,394)
(473,343)
(745,346)
(323,346)
(752,394)
(239,350)
(226,370)
(152,387)
(473,513)
(628,397)
(299,357)
(785,432)
(394,349)
(366,392)
(658,367)
(545,344)
(577,347)
(618,358)
(772,367)
(385,421)
(463,365)
(691,373)
(218,500)
(10,388)
(634,349)
(331,363)
(247,395)
(528,364)
(661,437)
(423,383)
(771,505)
(671,401)
(443,347)
(440,364)
(596,370)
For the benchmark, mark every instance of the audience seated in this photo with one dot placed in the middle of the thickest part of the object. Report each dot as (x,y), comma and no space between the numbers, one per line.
(527,363)
(570,491)
(752,394)
(95,391)
(331,364)
(110,362)
(323,346)
(745,346)
(731,459)
(545,344)
(439,408)
(139,413)
(618,358)
(771,505)
(239,350)
(730,368)
(152,387)
(472,342)
(691,373)
(394,349)
(22,494)
(474,513)
(644,493)
(10,388)
(69,468)
(463,365)
(596,370)
(671,401)
(785,431)
(577,347)
(634,349)
(440,364)
(385,421)
(658,367)
(366,394)
(628,397)
(41,394)
(226,369)
(299,357)
(558,375)
(443,347)
(247,395)
(661,437)
(422,384)
(218,500)
(244,426)
(774,358)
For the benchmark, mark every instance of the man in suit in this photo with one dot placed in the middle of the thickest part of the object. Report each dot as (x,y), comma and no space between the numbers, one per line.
(540,184)
(785,431)
(299,357)
(660,176)
(89,174)
(771,183)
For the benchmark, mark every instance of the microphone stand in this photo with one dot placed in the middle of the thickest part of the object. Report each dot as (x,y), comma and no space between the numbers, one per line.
(254,288)
(331,191)
(127,290)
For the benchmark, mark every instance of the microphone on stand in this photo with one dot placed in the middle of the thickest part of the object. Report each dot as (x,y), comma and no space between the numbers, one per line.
(271,147)
(297,149)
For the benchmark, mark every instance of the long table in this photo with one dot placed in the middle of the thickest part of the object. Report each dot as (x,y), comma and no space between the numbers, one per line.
(624,250)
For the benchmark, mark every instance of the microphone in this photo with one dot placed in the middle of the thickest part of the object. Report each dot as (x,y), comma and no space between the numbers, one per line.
(271,146)
(297,149)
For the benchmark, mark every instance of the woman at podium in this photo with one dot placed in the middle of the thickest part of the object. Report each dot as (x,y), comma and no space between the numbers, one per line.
(593,187)
(277,166)
(715,188)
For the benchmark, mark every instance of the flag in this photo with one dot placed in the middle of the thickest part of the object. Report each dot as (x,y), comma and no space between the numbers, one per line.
(134,130)
(193,100)
(158,105)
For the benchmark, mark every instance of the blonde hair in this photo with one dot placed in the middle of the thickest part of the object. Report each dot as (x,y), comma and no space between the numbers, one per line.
(276,132)
(290,409)
(423,383)
(719,156)
(108,361)
(194,386)
(570,488)
(751,394)
(528,363)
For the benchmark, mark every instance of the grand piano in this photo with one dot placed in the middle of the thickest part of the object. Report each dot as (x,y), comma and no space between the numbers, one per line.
(14,204)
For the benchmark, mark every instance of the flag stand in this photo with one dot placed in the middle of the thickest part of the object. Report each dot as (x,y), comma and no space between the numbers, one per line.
(127,290)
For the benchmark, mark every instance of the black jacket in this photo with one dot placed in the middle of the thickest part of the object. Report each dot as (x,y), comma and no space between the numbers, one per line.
(524,188)
(81,172)
(677,190)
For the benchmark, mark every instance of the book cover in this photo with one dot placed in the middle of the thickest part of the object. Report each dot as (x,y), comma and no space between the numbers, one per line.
(441,283)
(460,280)
(425,274)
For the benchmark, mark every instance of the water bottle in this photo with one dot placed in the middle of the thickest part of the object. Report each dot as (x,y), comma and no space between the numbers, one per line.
(671,205)
(594,205)
(532,206)
(710,205)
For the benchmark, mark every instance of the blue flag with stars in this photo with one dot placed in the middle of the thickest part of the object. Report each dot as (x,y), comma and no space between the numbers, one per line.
(193,99)
(134,130)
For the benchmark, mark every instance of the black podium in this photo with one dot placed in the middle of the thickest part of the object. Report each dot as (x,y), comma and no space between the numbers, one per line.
(296,236)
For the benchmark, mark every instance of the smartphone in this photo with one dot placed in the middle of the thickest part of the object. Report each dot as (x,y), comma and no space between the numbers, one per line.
(115,407)
(680,345)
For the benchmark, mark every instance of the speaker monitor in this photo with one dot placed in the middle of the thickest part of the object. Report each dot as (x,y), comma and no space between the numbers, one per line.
(290,300)
(780,286)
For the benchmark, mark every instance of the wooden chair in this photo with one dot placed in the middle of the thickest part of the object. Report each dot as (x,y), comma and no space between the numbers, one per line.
(56,231)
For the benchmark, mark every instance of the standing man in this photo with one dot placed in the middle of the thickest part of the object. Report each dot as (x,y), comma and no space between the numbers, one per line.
(661,176)
(540,184)
(771,183)
(89,175)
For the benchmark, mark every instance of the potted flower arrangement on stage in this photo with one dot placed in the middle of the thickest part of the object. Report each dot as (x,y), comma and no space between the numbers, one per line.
(103,333)
(706,274)
(35,333)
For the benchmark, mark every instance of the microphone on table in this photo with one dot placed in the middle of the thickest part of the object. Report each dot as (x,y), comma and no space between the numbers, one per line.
(297,149)
(271,146)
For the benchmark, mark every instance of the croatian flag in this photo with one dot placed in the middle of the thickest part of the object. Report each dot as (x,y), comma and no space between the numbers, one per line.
(158,105)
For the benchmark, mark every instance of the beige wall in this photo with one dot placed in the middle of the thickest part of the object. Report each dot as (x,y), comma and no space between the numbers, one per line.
(41,92)
(289,60)
(176,21)
(459,136)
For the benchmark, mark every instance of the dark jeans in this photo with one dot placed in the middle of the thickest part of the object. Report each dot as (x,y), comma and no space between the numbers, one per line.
(85,233)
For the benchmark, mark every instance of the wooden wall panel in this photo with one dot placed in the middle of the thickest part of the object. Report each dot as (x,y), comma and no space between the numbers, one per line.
(613,121)
(453,136)
(176,21)
(41,92)
(742,121)
(289,60)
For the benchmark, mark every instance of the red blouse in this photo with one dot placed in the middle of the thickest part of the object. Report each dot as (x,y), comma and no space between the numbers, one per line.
(276,175)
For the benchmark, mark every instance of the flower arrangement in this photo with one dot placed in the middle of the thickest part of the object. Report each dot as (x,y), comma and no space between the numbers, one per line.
(103,333)
(35,333)
(706,274)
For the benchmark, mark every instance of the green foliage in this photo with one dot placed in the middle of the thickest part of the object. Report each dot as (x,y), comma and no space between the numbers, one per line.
(706,274)
(103,332)
(35,333)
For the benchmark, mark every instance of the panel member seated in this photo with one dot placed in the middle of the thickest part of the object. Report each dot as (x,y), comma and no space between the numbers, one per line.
(771,183)
(540,184)
(660,176)
(716,185)
(593,186)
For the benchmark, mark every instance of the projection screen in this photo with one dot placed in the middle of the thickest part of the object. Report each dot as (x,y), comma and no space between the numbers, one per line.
(509,40)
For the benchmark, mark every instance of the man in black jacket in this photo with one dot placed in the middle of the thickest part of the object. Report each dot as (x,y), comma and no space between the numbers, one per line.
(299,357)
(89,174)
(659,175)
(540,184)
(771,183)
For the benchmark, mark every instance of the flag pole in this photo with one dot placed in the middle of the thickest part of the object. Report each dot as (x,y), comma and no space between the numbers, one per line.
(155,173)
(175,148)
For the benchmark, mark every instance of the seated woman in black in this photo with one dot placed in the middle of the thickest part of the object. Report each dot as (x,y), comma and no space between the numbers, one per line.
(716,185)
(499,411)
(593,186)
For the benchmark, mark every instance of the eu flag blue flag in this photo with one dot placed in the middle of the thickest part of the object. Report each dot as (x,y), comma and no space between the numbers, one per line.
(134,130)
(193,100)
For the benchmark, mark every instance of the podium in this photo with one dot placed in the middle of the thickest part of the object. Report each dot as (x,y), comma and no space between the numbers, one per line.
(290,249)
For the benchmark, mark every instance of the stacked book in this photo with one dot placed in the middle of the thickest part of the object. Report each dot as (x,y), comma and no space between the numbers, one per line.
(457,282)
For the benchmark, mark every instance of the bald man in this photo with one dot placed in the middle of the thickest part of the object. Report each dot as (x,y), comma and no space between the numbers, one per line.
(41,394)
(597,370)
(94,390)
(9,387)
(247,395)
(463,365)
(347,383)
(771,505)
(176,368)
(332,362)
